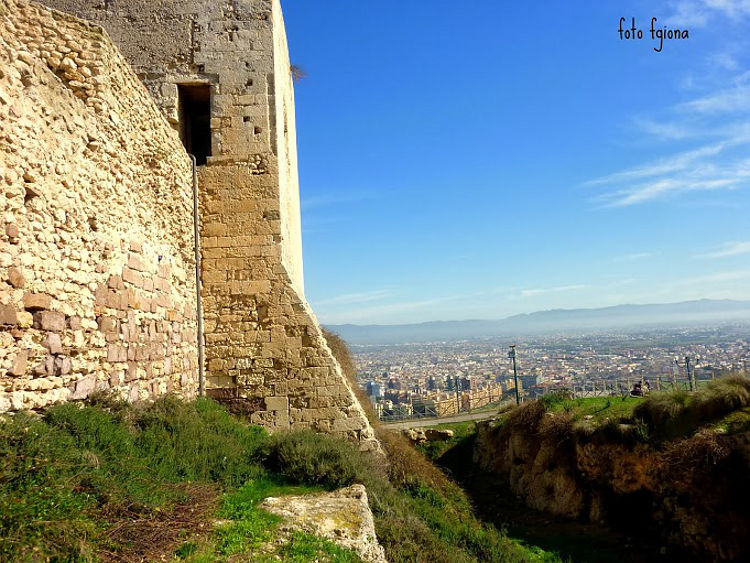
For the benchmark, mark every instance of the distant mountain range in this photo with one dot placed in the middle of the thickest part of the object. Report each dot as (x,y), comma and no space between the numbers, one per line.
(551,322)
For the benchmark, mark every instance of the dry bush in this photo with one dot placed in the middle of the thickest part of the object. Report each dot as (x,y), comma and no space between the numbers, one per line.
(674,414)
(699,453)
(721,397)
(344,357)
(526,418)
(133,536)
(660,408)
(557,428)
(341,353)
(298,73)
(406,464)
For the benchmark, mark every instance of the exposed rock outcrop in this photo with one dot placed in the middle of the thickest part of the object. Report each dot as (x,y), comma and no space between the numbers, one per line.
(692,492)
(342,516)
(422,435)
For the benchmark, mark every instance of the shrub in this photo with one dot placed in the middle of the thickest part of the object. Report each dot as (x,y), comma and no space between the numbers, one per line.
(341,353)
(679,413)
(558,397)
(345,359)
(198,441)
(526,417)
(317,459)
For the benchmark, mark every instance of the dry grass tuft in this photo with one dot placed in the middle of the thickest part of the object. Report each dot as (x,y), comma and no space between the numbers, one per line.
(696,455)
(678,413)
(526,417)
(557,428)
(139,535)
(344,357)
(405,463)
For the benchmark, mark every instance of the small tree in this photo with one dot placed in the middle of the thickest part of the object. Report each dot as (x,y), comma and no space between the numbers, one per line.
(298,73)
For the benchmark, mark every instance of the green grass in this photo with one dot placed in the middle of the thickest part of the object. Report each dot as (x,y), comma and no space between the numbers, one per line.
(677,414)
(736,422)
(461,431)
(304,548)
(69,479)
(660,417)
(599,409)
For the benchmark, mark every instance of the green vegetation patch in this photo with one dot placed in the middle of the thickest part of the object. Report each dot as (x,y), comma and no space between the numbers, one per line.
(594,409)
(678,414)
(303,548)
(462,431)
(184,479)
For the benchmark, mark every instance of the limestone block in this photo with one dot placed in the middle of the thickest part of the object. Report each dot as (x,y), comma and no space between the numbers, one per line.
(36,301)
(8,315)
(50,320)
(354,529)
(277,404)
(16,277)
(83,388)
(20,363)
(53,343)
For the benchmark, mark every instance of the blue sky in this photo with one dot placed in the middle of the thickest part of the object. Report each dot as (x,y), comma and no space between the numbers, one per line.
(486,158)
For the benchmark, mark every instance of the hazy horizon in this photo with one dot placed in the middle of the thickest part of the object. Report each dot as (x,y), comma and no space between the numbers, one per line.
(541,311)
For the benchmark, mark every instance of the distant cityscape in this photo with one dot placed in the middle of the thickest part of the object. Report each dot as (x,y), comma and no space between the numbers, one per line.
(443,378)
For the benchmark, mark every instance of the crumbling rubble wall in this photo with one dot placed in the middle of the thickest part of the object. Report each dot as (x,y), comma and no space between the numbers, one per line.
(265,354)
(97,285)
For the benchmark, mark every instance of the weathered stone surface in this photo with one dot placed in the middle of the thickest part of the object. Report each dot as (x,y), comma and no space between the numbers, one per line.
(100,190)
(91,174)
(50,321)
(83,388)
(16,277)
(19,363)
(8,315)
(53,343)
(36,301)
(342,516)
(438,434)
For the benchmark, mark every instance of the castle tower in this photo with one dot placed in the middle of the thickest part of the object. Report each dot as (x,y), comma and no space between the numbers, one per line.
(220,72)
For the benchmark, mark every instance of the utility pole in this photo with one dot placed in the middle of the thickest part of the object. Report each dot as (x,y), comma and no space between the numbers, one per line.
(690,375)
(458,402)
(512,356)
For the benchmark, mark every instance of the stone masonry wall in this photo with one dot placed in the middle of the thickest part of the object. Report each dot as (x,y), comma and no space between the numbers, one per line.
(97,287)
(265,353)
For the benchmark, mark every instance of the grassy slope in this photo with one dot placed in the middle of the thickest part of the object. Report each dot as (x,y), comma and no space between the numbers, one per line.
(113,481)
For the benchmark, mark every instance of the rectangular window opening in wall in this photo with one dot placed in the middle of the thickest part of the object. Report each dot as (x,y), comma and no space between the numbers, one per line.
(195,120)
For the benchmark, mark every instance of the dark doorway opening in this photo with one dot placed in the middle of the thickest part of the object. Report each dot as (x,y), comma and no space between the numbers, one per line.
(195,120)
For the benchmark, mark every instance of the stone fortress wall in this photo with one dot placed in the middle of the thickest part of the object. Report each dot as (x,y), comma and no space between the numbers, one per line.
(97,285)
(265,354)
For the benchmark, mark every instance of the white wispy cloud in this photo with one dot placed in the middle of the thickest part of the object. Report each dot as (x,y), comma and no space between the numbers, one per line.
(653,190)
(718,277)
(698,13)
(735,99)
(728,249)
(665,130)
(674,163)
(562,288)
(633,257)
(719,165)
